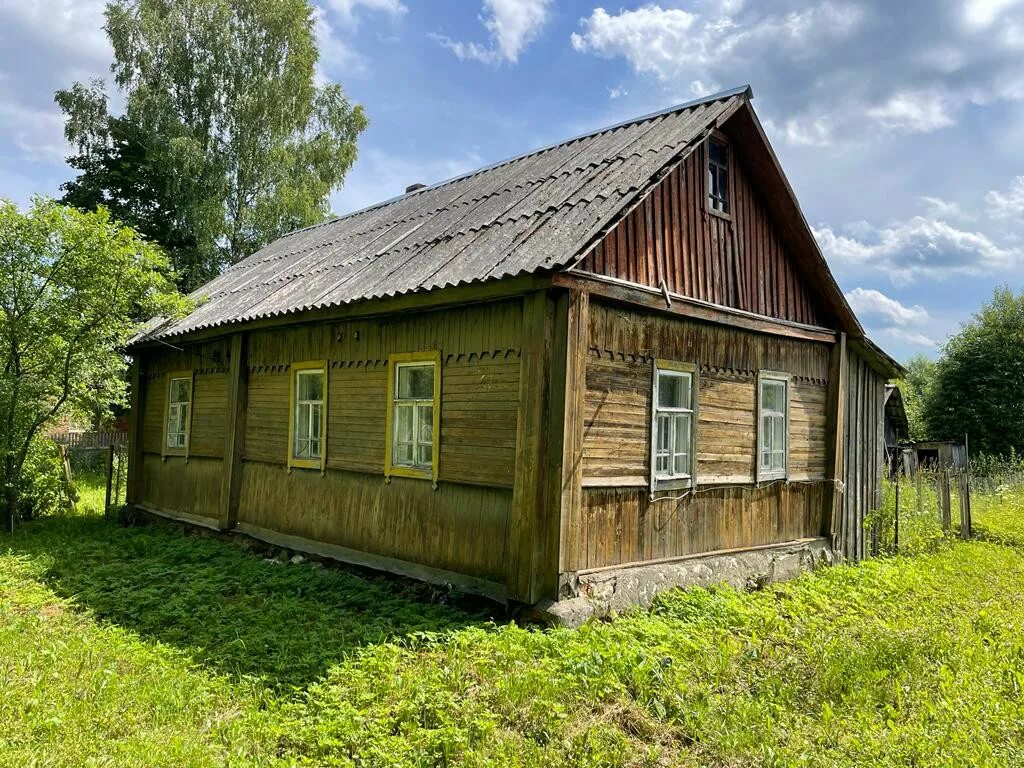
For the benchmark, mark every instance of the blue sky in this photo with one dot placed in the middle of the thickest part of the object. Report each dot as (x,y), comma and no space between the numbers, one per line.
(899,124)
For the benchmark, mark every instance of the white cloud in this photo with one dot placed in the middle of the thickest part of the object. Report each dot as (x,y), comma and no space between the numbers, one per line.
(1009,204)
(867,301)
(915,111)
(347,10)
(911,337)
(513,25)
(816,64)
(937,208)
(918,247)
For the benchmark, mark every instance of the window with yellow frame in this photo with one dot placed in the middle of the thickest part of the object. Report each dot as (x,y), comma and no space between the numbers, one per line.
(307,419)
(413,416)
(178,414)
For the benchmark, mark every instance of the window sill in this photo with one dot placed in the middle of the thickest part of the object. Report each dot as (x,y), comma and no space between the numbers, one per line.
(673,484)
(718,214)
(771,478)
(420,474)
(316,464)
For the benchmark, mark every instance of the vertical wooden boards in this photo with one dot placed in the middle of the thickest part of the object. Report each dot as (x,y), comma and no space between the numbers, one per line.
(862,444)
(234,433)
(739,261)
(133,486)
(526,521)
(835,430)
(577,344)
(622,526)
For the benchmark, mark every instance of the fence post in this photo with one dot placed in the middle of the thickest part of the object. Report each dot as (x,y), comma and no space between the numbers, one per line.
(110,479)
(965,504)
(942,482)
(896,517)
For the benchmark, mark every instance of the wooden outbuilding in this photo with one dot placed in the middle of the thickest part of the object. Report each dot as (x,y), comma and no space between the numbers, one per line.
(621,352)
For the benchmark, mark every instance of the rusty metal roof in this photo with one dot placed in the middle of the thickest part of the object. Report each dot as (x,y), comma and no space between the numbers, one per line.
(535,212)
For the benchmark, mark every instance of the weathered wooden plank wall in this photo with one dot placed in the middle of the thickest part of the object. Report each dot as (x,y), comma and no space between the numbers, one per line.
(738,262)
(863,441)
(615,523)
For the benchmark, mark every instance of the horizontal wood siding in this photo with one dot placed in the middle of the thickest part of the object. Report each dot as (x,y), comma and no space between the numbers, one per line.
(614,523)
(459,526)
(209,414)
(619,526)
(738,262)
(863,446)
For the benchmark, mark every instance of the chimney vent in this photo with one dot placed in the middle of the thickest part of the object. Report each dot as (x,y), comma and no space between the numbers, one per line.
(414,187)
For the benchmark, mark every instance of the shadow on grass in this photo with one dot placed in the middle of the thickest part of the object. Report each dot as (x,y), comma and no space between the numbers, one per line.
(227,607)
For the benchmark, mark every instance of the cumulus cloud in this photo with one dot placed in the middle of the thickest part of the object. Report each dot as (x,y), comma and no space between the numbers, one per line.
(869,302)
(911,337)
(917,247)
(513,25)
(1009,204)
(348,10)
(816,63)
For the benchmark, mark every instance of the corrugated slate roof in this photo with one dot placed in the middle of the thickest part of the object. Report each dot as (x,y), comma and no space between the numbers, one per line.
(534,212)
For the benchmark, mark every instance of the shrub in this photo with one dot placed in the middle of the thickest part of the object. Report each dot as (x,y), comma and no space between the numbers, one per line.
(44,488)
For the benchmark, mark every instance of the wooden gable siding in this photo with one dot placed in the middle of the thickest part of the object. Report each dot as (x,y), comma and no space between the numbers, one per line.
(863,444)
(738,262)
(616,523)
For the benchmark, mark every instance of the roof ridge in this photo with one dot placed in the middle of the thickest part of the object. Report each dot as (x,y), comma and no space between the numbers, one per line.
(744,90)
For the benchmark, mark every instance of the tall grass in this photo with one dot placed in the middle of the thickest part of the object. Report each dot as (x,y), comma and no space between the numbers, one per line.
(145,646)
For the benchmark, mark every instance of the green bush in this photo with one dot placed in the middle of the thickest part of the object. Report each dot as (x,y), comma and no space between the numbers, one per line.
(44,488)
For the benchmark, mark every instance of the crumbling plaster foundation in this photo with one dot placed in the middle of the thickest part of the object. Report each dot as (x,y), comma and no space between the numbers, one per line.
(599,593)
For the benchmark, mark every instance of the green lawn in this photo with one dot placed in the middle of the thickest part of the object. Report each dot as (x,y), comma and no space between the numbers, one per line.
(147,646)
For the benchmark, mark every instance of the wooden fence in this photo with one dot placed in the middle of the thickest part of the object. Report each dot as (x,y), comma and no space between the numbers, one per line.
(929,504)
(113,446)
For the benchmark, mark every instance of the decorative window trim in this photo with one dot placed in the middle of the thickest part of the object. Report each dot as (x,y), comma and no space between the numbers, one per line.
(293,377)
(173,376)
(765,475)
(675,482)
(395,361)
(719,138)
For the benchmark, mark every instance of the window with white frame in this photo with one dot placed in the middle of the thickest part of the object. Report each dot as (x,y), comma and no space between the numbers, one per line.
(412,439)
(673,427)
(308,418)
(179,404)
(718,177)
(773,433)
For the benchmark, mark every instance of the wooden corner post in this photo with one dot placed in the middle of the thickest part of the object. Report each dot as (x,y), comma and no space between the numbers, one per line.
(526,537)
(835,446)
(234,436)
(133,486)
(571,480)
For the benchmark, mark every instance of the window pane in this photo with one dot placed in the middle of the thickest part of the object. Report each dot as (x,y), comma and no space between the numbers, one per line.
(773,396)
(182,425)
(403,428)
(314,448)
(425,424)
(779,434)
(673,390)
(310,386)
(302,421)
(180,390)
(416,382)
(403,454)
(719,153)
(426,455)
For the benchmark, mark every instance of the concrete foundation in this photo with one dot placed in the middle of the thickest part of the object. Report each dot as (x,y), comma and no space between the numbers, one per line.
(614,590)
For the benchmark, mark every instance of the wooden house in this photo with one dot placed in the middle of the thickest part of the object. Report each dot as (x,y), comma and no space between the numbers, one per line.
(620,352)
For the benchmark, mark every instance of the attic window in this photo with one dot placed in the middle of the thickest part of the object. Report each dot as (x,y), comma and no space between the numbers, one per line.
(718,177)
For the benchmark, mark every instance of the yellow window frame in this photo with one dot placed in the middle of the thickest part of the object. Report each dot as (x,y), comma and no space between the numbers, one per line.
(390,469)
(293,375)
(172,376)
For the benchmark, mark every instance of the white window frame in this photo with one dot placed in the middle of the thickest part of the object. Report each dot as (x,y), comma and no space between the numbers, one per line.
(418,469)
(297,406)
(177,407)
(772,473)
(673,480)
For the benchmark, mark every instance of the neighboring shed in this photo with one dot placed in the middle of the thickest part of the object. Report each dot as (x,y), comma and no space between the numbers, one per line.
(595,370)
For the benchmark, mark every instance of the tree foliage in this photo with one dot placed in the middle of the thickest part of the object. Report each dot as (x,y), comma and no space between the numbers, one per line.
(73,287)
(978,383)
(915,388)
(226,141)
